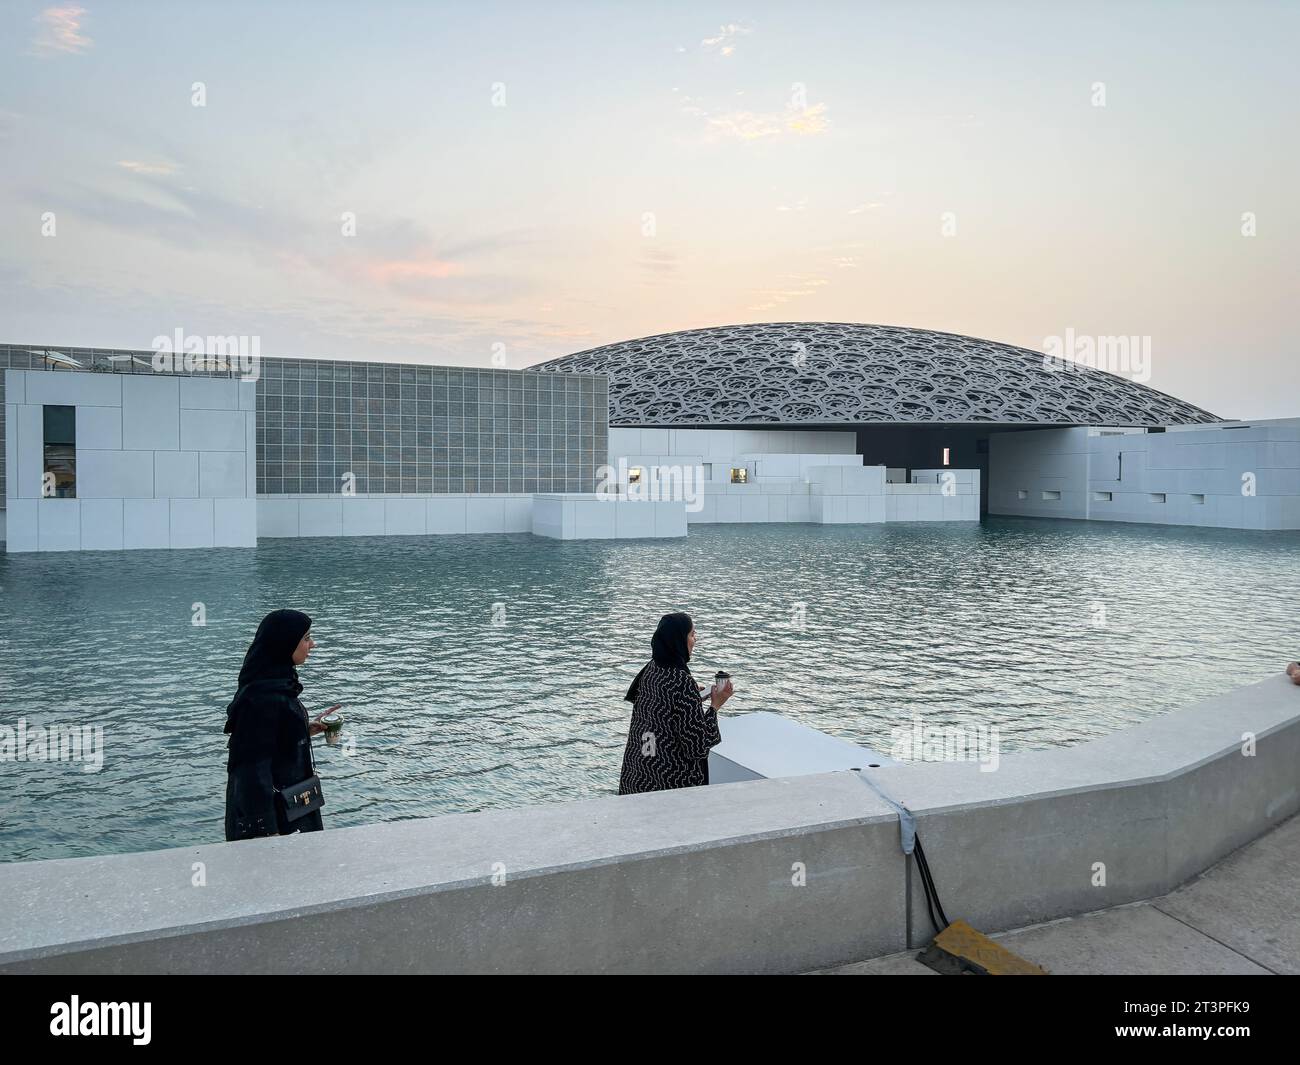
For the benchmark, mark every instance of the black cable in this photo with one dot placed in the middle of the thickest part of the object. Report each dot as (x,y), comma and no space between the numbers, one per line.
(927,882)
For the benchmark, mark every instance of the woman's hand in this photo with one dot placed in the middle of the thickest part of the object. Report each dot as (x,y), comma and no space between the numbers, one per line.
(721,695)
(315,728)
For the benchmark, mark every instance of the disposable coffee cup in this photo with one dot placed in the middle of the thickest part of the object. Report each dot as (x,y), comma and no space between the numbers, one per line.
(333,728)
(720,679)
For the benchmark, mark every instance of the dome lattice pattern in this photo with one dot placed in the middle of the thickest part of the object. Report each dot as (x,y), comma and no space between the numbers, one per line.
(832,373)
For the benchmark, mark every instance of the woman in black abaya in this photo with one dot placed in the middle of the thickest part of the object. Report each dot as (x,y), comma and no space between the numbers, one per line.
(270,733)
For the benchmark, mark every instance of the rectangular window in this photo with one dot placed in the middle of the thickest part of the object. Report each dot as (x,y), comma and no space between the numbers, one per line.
(708,471)
(634,475)
(1051,495)
(60,441)
(1101,497)
(739,475)
(1157,497)
(947,454)
(1022,493)
(1198,498)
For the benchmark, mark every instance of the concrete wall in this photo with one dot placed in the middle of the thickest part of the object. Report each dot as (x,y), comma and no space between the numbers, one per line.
(585,517)
(700,880)
(1235,475)
(719,444)
(160,462)
(393,515)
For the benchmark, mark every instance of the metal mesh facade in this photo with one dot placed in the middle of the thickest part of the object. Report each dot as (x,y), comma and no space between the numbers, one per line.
(822,373)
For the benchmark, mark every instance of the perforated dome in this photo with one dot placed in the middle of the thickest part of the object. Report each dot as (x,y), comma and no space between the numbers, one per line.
(828,373)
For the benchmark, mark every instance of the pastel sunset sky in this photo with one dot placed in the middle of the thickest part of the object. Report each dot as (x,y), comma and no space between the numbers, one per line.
(550,177)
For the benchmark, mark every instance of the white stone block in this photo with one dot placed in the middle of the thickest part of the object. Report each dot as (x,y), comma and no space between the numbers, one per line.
(15,386)
(445,514)
(247,395)
(633,520)
(404,517)
(192,523)
(801,509)
(363,517)
(22,528)
(151,413)
(209,393)
(115,474)
(518,514)
(11,450)
(31,452)
(213,430)
(320,517)
(146,523)
(279,518)
(728,508)
(930,508)
(484,514)
(222,475)
(594,519)
(670,518)
(59,524)
(74,389)
(99,428)
(175,473)
(101,525)
(250,454)
(234,522)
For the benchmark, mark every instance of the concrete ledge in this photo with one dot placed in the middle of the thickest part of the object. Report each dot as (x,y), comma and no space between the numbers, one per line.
(689,881)
(700,880)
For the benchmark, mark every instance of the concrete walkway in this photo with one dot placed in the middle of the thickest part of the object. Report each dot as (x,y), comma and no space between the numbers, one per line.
(1240,916)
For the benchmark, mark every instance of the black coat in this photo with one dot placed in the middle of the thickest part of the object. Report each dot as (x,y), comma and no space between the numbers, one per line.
(671,733)
(270,747)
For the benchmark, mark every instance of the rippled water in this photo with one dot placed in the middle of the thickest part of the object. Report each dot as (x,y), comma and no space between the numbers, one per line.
(452,708)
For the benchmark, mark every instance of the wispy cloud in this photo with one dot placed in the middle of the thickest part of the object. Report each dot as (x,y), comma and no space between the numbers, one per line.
(794,120)
(722,43)
(863,207)
(136,167)
(60,31)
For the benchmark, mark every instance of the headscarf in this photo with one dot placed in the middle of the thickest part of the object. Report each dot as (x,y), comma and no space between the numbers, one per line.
(270,655)
(667,648)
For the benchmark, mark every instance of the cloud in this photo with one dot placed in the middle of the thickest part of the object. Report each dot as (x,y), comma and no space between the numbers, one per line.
(794,120)
(722,43)
(60,31)
(147,168)
(860,208)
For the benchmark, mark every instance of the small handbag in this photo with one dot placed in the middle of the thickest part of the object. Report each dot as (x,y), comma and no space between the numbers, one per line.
(298,800)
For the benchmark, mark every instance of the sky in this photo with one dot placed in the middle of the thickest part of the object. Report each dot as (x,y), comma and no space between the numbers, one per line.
(449,183)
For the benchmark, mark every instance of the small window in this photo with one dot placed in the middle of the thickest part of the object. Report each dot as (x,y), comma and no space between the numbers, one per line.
(60,480)
(1023,493)
(947,455)
(1198,498)
(1157,497)
(739,475)
(634,475)
(1101,497)
(1051,495)
(708,470)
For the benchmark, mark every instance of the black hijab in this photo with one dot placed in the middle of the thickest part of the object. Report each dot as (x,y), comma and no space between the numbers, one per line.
(270,655)
(667,648)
